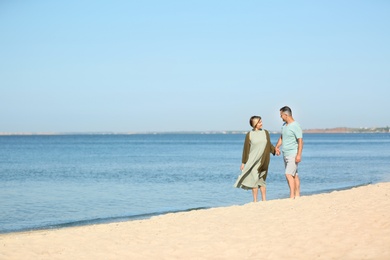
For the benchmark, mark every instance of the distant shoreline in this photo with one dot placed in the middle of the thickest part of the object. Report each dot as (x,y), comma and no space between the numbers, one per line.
(340,130)
(336,130)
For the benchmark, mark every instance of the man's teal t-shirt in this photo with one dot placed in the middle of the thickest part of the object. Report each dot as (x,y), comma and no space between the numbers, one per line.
(290,135)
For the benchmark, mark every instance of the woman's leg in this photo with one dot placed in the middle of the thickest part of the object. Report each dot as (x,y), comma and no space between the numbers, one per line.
(255,191)
(263,193)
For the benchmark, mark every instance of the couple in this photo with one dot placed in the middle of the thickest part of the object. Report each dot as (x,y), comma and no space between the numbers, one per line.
(257,150)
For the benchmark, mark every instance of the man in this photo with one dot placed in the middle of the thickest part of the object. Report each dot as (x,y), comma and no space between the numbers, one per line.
(292,141)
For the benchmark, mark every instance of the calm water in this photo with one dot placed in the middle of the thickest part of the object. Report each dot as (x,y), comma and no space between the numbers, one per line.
(54,181)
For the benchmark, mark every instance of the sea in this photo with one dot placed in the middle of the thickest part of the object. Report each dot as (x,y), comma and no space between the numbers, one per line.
(55,181)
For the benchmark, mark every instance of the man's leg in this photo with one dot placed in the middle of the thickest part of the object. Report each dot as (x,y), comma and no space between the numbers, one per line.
(292,176)
(291,184)
(297,186)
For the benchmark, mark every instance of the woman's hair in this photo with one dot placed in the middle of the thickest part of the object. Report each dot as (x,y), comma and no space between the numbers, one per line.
(253,120)
(286,110)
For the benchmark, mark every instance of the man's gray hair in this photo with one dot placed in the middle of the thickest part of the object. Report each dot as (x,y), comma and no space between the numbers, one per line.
(286,110)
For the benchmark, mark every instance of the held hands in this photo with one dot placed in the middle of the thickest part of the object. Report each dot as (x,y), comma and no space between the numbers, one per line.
(297,158)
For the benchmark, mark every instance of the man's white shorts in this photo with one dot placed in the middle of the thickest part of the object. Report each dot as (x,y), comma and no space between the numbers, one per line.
(290,165)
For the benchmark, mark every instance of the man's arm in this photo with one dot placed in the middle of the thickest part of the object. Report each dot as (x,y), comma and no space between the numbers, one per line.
(278,144)
(300,147)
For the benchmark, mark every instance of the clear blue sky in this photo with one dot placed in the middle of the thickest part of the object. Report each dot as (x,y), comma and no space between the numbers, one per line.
(129,66)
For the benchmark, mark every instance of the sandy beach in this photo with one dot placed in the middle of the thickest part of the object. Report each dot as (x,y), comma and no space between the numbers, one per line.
(349,224)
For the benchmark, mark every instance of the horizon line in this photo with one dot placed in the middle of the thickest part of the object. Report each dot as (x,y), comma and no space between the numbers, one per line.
(312,130)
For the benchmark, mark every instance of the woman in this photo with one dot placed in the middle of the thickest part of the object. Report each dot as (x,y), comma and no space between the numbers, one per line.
(255,159)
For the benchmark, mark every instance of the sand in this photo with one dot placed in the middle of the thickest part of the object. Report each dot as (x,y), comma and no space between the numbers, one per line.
(349,224)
